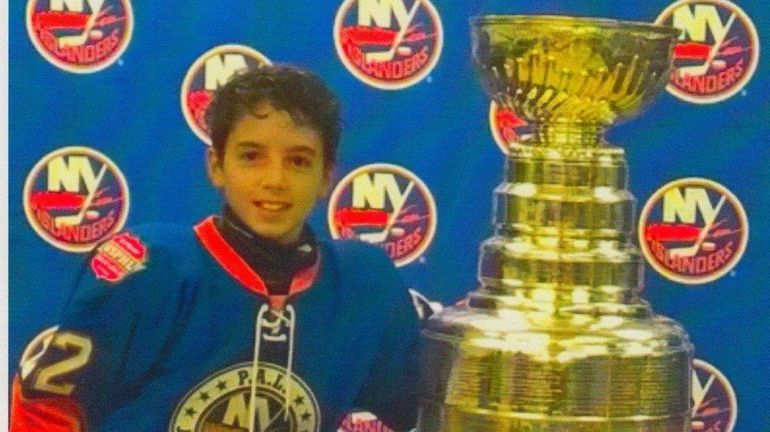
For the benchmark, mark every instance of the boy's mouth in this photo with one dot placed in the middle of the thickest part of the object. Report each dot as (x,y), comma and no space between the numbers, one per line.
(272,206)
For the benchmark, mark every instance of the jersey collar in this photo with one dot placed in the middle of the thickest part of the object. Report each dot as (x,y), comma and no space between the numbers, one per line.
(236,266)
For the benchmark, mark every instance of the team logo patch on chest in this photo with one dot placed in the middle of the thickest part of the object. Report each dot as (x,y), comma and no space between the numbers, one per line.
(222,402)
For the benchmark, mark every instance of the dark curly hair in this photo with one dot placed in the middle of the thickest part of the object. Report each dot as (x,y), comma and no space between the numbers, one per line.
(299,92)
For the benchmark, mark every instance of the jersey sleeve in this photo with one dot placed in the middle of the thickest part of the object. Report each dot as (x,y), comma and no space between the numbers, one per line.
(390,389)
(108,337)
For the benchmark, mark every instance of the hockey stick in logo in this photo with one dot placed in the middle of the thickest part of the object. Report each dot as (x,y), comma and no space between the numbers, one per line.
(73,220)
(692,250)
(377,237)
(383,56)
(699,392)
(702,69)
(79,40)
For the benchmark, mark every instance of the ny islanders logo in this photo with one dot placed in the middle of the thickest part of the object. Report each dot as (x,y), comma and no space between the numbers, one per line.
(385,205)
(75,197)
(714,405)
(223,402)
(80,36)
(388,44)
(506,126)
(209,72)
(693,230)
(717,50)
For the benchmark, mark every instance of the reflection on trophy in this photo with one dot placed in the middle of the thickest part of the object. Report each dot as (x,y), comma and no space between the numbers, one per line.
(557,337)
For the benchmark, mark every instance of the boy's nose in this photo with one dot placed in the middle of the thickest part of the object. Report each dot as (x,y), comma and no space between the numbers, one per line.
(274,176)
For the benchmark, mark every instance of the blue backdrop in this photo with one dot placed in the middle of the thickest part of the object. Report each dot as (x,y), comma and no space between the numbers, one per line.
(435,128)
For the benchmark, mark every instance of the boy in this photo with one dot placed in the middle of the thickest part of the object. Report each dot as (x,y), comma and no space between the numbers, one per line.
(245,322)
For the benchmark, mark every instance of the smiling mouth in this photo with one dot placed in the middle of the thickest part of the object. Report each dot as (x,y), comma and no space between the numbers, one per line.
(272,206)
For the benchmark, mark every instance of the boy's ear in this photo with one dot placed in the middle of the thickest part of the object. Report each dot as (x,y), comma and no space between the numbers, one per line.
(214,168)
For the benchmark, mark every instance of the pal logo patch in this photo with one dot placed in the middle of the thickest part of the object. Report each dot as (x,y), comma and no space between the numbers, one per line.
(506,126)
(385,205)
(714,405)
(75,198)
(80,36)
(229,401)
(388,44)
(693,230)
(209,72)
(717,50)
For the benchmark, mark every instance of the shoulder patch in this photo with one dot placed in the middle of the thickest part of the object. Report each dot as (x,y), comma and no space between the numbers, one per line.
(118,257)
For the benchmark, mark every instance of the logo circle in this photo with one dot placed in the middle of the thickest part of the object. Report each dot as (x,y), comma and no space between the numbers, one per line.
(209,72)
(75,197)
(382,56)
(385,205)
(78,41)
(717,51)
(693,230)
(506,126)
(714,400)
(222,402)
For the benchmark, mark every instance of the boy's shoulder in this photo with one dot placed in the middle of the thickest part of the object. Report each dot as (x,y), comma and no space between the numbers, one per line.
(357,253)
(154,248)
(363,268)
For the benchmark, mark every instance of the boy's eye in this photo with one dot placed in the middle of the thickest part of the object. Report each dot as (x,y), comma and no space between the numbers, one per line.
(250,155)
(300,161)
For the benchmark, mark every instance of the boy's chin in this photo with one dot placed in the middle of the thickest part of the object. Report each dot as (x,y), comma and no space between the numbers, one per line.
(276,235)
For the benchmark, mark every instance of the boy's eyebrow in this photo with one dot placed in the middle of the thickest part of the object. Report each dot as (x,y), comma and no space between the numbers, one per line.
(248,145)
(296,148)
(302,148)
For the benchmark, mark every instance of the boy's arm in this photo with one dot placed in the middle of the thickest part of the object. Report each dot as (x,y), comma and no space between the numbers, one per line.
(390,390)
(42,398)
(70,375)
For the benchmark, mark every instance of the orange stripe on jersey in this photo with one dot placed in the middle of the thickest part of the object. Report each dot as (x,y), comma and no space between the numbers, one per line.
(57,414)
(233,264)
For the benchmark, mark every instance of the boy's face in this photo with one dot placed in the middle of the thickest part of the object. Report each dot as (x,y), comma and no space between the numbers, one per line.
(272,172)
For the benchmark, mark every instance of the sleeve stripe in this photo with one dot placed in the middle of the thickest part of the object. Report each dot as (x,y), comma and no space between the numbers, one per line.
(44,415)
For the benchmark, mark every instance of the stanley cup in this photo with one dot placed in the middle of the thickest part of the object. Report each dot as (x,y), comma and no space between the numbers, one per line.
(557,338)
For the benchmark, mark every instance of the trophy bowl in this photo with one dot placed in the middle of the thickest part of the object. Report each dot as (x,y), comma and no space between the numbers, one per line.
(585,72)
(557,337)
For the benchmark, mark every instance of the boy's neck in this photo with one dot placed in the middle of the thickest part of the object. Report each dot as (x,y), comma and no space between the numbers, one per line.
(275,262)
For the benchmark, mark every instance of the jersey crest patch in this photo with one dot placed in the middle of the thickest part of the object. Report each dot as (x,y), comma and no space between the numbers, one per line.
(222,402)
(120,256)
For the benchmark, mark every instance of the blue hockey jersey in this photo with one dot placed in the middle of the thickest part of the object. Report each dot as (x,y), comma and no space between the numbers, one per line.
(169,329)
